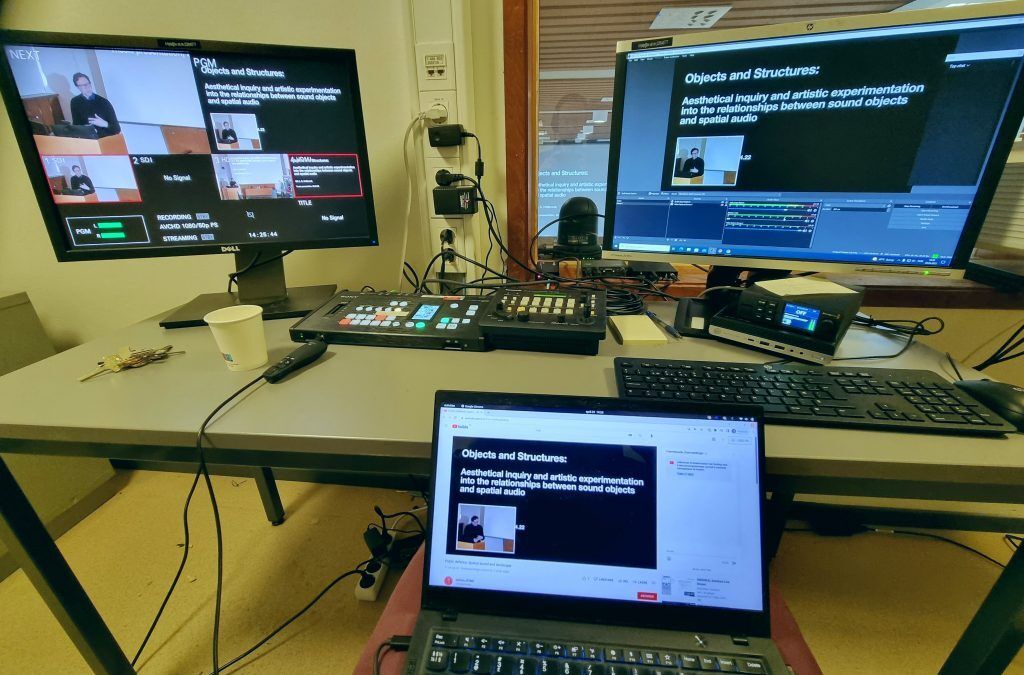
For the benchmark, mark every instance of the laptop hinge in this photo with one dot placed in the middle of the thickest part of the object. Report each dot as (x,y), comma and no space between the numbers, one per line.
(741,640)
(449,615)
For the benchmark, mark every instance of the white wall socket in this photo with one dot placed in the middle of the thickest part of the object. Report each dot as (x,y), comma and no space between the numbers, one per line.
(446,99)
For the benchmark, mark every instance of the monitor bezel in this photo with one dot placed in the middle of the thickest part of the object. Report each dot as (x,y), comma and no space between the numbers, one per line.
(587,610)
(53,220)
(1001,148)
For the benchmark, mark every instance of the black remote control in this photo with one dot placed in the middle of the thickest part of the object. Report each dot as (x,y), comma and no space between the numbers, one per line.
(304,355)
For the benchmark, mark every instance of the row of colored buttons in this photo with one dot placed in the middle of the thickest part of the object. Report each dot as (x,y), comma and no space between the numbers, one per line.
(375,322)
(542,302)
(381,316)
(371,308)
(445,319)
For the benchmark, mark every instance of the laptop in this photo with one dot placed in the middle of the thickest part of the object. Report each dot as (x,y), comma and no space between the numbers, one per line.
(596,536)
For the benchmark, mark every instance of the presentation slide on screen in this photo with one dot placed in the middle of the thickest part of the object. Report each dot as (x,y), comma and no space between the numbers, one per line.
(613,508)
(217,148)
(572,502)
(833,116)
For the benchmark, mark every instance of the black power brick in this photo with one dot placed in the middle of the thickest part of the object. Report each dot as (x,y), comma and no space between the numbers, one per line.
(445,135)
(454,200)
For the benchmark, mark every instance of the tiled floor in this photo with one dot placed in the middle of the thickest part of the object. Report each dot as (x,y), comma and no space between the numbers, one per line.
(868,604)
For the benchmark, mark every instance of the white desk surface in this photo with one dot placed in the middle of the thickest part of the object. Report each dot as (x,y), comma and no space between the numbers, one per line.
(376,403)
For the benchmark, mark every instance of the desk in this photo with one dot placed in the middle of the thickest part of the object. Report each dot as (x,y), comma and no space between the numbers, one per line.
(365,409)
(67,145)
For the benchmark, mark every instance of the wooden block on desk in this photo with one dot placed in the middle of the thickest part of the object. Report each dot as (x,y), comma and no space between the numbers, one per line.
(637,330)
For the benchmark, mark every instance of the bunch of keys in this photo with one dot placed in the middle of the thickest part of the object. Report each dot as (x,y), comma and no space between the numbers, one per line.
(126,357)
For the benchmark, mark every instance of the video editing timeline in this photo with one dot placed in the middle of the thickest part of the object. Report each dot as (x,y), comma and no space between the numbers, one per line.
(769,223)
(193,149)
(869,124)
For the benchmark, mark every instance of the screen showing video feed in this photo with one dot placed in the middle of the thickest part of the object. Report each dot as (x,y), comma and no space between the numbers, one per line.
(161,149)
(618,506)
(864,146)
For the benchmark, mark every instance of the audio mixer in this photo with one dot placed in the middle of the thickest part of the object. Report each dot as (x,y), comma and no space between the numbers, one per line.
(571,321)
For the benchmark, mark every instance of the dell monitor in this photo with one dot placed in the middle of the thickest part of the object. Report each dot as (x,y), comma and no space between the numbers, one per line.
(870,143)
(141,147)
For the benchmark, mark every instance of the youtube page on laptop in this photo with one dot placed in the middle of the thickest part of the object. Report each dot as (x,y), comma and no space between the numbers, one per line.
(598,504)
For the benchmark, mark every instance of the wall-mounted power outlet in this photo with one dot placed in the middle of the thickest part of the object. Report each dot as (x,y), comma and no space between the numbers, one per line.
(452,230)
(440,100)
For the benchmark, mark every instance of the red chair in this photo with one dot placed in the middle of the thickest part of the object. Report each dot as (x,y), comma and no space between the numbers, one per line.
(399,618)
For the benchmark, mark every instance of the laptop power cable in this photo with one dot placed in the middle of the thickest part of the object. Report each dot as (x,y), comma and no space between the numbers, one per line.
(396,643)
(296,360)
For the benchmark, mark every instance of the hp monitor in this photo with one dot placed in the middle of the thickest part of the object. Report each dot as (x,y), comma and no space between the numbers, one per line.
(870,143)
(140,147)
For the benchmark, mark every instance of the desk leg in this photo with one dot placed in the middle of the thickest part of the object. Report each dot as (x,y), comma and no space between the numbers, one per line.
(269,494)
(775,520)
(996,633)
(35,551)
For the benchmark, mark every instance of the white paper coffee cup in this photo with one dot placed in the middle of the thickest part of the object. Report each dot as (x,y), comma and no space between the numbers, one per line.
(238,331)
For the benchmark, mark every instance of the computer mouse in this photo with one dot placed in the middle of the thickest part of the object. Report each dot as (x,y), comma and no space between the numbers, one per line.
(1005,400)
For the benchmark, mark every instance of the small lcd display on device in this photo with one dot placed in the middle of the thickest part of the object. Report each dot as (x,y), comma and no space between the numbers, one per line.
(425,312)
(800,317)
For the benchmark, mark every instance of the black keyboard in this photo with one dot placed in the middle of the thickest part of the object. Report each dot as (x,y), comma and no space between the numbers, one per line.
(866,398)
(450,653)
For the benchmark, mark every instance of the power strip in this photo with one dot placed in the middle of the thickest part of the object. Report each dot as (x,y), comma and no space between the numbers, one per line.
(365,590)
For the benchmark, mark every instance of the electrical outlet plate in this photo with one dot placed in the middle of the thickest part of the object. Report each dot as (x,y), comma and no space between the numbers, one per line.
(429,99)
(459,244)
(432,166)
(435,65)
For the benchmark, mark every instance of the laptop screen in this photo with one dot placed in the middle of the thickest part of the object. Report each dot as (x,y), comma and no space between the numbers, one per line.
(630,506)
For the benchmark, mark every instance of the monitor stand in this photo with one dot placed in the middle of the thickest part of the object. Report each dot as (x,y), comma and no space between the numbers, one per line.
(263,285)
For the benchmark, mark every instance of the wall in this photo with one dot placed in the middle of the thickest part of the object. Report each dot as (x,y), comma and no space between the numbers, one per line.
(970,336)
(79,301)
(109,172)
(62,490)
(128,78)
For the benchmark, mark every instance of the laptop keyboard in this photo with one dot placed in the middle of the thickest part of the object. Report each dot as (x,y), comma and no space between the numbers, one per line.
(480,655)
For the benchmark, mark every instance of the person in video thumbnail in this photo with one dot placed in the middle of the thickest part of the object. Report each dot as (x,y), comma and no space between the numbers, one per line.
(91,108)
(79,181)
(473,532)
(226,134)
(692,167)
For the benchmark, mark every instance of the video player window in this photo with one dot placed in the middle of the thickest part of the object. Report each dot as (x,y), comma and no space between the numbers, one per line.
(107,102)
(238,131)
(253,177)
(79,179)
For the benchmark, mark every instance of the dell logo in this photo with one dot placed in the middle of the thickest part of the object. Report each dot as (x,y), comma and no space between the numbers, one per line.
(230,249)
(810,26)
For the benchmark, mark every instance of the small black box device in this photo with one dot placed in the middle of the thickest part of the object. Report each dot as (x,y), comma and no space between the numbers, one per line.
(454,200)
(445,135)
(652,271)
(799,318)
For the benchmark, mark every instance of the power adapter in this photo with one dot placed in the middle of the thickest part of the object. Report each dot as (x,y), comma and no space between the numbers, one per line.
(454,200)
(445,135)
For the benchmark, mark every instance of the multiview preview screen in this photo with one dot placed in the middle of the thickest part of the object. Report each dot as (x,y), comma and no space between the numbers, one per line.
(173,148)
(865,146)
(620,507)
